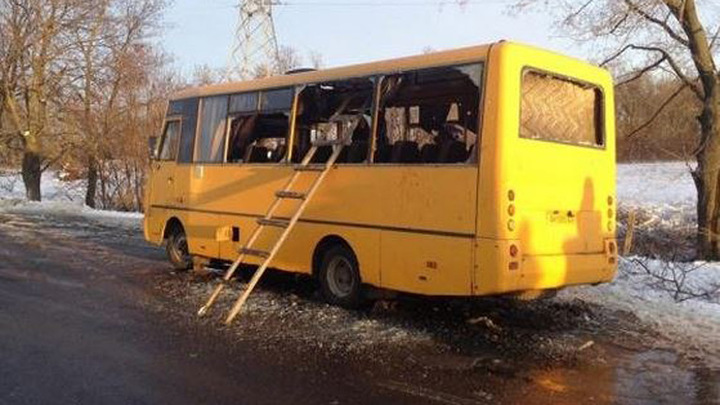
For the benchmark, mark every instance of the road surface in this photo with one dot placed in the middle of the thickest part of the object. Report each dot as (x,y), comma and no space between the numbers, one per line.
(90,313)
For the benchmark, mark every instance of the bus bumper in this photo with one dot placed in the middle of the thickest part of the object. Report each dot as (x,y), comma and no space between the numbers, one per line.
(497,272)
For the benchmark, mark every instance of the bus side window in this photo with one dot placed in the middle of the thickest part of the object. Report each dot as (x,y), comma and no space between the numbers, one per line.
(429,116)
(325,110)
(211,139)
(169,142)
(259,135)
(188,110)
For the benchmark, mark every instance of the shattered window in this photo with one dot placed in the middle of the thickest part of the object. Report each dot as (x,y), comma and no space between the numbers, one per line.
(560,110)
(429,116)
(259,136)
(331,111)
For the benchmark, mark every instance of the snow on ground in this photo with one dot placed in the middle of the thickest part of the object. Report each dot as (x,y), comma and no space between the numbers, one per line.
(58,197)
(664,195)
(692,325)
(655,184)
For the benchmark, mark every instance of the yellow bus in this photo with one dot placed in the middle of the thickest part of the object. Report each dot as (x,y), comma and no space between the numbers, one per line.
(478,171)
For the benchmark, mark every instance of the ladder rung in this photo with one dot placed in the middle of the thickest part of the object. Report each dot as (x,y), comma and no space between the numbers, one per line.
(254,252)
(308,168)
(290,194)
(280,223)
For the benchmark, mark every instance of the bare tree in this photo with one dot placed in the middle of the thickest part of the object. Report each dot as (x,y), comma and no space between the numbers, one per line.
(82,87)
(288,59)
(31,71)
(109,33)
(204,75)
(662,37)
(645,133)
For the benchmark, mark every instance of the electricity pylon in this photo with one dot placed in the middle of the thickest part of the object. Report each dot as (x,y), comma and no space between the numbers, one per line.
(255,49)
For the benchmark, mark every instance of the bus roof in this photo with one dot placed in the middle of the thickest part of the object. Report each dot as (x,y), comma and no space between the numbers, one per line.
(461,55)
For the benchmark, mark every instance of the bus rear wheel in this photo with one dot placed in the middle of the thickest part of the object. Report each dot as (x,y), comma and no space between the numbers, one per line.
(340,278)
(177,250)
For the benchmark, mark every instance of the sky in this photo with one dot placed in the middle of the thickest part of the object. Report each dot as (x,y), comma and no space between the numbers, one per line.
(200,32)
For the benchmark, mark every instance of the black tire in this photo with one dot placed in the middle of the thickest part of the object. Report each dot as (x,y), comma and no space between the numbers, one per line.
(339,277)
(177,250)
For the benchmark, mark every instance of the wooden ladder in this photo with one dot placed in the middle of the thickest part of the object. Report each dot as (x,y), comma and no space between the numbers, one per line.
(269,221)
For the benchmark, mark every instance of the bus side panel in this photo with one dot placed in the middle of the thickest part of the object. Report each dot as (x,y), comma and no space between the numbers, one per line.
(159,192)
(426,264)
(202,233)
(297,252)
(355,203)
(154,222)
(425,198)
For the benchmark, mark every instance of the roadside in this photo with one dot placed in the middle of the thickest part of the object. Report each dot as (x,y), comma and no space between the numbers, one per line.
(106,285)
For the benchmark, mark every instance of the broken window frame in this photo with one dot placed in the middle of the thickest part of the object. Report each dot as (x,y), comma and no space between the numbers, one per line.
(258,111)
(473,153)
(373,79)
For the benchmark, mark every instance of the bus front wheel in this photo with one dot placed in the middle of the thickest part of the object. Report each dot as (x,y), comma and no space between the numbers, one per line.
(177,250)
(340,277)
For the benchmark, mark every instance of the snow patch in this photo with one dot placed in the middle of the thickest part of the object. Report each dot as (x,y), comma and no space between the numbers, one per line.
(667,184)
(60,197)
(692,324)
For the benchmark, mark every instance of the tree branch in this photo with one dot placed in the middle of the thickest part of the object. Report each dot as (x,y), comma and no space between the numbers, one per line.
(578,11)
(660,23)
(657,112)
(674,65)
(640,73)
(615,55)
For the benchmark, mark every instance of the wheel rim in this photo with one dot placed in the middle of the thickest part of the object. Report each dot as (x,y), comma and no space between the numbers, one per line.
(180,249)
(340,277)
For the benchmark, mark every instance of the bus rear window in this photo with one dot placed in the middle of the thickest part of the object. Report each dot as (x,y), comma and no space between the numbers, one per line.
(560,110)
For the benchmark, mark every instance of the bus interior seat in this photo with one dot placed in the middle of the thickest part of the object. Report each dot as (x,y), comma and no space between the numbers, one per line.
(257,154)
(382,153)
(278,154)
(356,152)
(405,152)
(429,153)
(322,154)
(452,151)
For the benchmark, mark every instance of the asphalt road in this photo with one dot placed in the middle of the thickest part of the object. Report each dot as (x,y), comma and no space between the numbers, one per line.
(83,320)
(75,328)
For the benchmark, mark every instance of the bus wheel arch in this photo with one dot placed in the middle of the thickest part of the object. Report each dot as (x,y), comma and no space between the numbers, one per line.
(176,244)
(335,266)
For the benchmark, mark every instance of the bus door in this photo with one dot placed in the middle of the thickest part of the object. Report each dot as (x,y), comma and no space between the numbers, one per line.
(162,187)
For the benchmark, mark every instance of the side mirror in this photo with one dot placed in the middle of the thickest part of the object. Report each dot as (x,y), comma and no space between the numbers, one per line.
(152,146)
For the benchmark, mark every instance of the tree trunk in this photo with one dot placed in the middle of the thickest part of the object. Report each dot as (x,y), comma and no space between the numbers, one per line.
(31,174)
(707,173)
(103,188)
(92,178)
(707,180)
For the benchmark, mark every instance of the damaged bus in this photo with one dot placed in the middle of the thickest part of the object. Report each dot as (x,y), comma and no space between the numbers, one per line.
(478,171)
